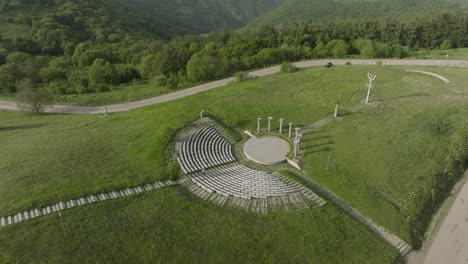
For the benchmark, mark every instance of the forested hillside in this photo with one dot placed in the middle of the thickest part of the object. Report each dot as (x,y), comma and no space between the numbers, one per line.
(203,16)
(72,47)
(313,11)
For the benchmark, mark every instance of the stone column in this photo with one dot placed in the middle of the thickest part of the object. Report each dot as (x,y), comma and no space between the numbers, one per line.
(259,121)
(281,126)
(297,132)
(269,123)
(296,147)
(336,111)
(290,129)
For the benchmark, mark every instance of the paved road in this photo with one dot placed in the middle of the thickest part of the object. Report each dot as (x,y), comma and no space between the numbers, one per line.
(450,244)
(86,110)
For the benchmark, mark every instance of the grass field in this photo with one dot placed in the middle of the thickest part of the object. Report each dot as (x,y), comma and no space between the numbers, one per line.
(382,163)
(119,94)
(453,54)
(146,89)
(172,226)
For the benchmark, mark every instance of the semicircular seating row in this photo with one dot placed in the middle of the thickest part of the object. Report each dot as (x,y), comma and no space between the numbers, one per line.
(204,149)
(242,182)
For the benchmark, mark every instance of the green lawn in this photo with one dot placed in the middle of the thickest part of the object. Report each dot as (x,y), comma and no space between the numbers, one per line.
(144,89)
(119,94)
(382,163)
(172,226)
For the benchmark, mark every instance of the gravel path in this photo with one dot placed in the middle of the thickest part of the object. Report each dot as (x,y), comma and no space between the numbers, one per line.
(86,110)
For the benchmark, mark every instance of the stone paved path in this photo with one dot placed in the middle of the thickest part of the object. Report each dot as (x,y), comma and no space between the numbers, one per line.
(86,110)
(49,209)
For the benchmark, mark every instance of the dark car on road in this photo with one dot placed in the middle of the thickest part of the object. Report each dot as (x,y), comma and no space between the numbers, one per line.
(329,65)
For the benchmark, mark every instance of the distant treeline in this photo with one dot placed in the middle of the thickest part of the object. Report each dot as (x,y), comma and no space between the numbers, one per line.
(86,46)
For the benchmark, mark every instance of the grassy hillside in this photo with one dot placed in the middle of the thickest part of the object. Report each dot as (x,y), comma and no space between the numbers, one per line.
(205,15)
(173,226)
(312,11)
(389,162)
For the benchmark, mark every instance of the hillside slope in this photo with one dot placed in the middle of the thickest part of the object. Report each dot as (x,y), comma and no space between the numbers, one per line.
(202,16)
(17,16)
(312,11)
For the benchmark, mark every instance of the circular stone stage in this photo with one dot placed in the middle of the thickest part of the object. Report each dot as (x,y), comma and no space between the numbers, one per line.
(269,150)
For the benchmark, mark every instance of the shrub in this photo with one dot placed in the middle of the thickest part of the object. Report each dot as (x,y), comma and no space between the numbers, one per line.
(171,171)
(348,63)
(160,80)
(288,67)
(242,76)
(172,82)
(446,44)
(379,63)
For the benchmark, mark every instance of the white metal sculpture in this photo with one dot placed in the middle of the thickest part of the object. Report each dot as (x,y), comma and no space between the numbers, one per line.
(370,85)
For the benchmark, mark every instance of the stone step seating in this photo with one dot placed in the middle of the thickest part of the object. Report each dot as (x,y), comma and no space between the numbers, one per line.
(242,182)
(8,220)
(306,192)
(220,129)
(289,202)
(206,148)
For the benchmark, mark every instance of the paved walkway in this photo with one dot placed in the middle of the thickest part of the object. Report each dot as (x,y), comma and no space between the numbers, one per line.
(49,209)
(86,110)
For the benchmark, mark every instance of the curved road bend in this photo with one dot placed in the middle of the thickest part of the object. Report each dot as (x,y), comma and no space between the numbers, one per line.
(87,110)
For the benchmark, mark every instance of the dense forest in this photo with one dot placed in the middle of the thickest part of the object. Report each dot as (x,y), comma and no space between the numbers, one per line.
(203,16)
(313,11)
(67,47)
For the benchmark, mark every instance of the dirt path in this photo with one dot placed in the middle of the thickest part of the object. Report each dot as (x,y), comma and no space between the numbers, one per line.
(86,110)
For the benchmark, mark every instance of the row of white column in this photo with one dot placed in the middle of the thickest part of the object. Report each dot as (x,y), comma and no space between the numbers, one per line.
(297,138)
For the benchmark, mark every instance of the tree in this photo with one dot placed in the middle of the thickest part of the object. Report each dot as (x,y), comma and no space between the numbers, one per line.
(9,75)
(172,82)
(338,48)
(205,67)
(51,73)
(101,74)
(321,50)
(447,44)
(148,67)
(78,80)
(288,67)
(125,73)
(32,100)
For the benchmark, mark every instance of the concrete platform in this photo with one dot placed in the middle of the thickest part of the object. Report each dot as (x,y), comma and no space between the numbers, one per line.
(269,150)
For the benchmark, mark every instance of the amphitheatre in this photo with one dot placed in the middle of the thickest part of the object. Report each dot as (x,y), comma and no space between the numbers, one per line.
(300,153)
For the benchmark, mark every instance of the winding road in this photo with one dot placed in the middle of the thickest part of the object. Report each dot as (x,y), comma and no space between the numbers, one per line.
(88,110)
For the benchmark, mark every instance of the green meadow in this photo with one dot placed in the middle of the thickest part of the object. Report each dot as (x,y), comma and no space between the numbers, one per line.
(384,160)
